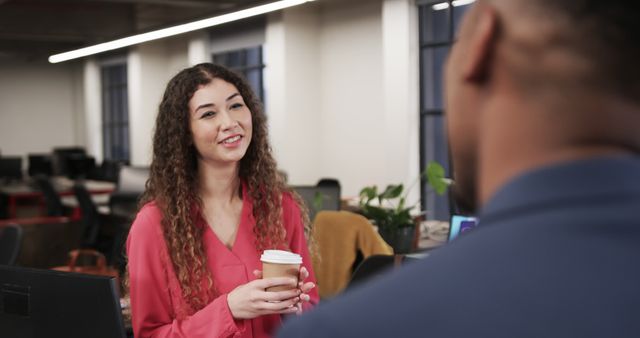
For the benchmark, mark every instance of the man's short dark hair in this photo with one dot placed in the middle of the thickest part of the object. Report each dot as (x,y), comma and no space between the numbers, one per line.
(607,33)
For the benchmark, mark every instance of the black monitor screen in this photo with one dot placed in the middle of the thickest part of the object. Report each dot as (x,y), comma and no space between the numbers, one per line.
(59,158)
(46,303)
(40,165)
(11,168)
(318,198)
(80,166)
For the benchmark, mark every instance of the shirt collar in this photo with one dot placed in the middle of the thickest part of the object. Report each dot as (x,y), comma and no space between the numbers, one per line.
(567,181)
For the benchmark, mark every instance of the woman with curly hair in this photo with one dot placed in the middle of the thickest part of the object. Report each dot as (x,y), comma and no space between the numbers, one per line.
(214,200)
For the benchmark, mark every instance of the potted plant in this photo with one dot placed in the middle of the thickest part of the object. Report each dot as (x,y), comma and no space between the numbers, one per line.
(389,211)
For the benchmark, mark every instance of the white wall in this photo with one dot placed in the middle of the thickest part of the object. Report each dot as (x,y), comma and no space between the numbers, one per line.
(38,107)
(342,92)
(293,92)
(353,122)
(401,91)
(150,66)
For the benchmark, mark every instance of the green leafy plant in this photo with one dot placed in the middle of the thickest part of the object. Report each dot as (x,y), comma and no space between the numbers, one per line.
(391,211)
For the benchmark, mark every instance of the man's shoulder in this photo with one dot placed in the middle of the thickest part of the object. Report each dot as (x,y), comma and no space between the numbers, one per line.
(499,275)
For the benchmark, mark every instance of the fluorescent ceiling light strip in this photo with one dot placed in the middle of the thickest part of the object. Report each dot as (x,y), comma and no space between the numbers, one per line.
(440,6)
(175,30)
(455,3)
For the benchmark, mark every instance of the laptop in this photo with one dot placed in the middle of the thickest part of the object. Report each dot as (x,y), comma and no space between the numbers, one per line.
(45,303)
(461,224)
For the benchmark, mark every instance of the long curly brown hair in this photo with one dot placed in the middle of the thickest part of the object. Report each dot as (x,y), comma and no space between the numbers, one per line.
(173,181)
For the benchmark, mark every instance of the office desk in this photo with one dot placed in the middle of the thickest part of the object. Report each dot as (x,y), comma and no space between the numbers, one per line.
(25,190)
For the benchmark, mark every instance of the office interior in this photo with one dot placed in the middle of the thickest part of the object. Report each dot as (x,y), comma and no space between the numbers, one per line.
(352,91)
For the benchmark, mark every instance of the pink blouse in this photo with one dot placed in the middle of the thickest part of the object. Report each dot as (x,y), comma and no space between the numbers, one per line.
(157,306)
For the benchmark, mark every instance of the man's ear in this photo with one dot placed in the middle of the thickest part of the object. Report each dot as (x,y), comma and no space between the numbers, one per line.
(481,44)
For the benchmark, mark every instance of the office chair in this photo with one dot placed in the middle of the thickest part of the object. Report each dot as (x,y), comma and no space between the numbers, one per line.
(376,265)
(101,232)
(342,237)
(51,197)
(90,215)
(10,243)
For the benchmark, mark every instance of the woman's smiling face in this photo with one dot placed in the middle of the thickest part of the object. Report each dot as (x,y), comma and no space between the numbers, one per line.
(220,123)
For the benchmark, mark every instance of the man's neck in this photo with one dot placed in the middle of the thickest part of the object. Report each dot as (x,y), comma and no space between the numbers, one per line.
(518,137)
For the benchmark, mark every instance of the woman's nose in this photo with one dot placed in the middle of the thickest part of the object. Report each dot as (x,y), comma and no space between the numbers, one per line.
(227,122)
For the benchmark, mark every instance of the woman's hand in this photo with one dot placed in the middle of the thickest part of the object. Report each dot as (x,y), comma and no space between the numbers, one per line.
(251,300)
(304,288)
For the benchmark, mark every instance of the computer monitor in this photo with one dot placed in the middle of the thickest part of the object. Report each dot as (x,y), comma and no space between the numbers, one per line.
(40,165)
(80,166)
(318,198)
(46,303)
(11,168)
(461,224)
(59,158)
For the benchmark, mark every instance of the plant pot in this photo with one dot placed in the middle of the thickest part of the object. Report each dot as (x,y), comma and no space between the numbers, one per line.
(400,239)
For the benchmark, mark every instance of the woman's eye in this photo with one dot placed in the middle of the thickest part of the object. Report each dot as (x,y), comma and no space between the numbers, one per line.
(207,114)
(237,105)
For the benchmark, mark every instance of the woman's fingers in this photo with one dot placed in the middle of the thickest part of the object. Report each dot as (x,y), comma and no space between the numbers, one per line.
(265,283)
(304,273)
(306,287)
(278,296)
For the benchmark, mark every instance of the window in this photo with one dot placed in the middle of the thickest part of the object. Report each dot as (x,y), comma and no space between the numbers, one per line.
(115,112)
(247,62)
(438,21)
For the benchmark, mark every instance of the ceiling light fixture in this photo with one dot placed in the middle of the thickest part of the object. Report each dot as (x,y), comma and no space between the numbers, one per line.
(175,30)
(455,3)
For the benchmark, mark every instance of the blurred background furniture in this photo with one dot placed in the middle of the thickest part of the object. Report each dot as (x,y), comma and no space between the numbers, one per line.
(131,185)
(60,156)
(49,190)
(10,243)
(123,206)
(377,265)
(342,236)
(51,198)
(324,196)
(10,168)
(46,241)
(39,164)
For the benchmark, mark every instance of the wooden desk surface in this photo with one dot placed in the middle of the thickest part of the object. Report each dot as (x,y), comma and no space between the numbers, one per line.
(63,186)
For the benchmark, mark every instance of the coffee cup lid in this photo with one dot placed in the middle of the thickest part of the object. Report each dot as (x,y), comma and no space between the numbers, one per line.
(280,257)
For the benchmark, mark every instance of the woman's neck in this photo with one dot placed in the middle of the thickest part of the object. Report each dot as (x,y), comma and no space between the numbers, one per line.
(220,183)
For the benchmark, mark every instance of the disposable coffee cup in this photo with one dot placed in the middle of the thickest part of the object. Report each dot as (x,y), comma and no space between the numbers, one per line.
(278,263)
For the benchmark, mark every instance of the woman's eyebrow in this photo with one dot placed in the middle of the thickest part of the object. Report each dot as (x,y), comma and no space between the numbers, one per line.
(206,105)
(232,96)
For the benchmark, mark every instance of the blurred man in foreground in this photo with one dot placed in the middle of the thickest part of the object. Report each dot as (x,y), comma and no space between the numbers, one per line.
(543,105)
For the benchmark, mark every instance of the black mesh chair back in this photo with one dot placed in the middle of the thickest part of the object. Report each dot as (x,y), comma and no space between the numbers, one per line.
(10,243)
(90,216)
(51,197)
(375,265)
